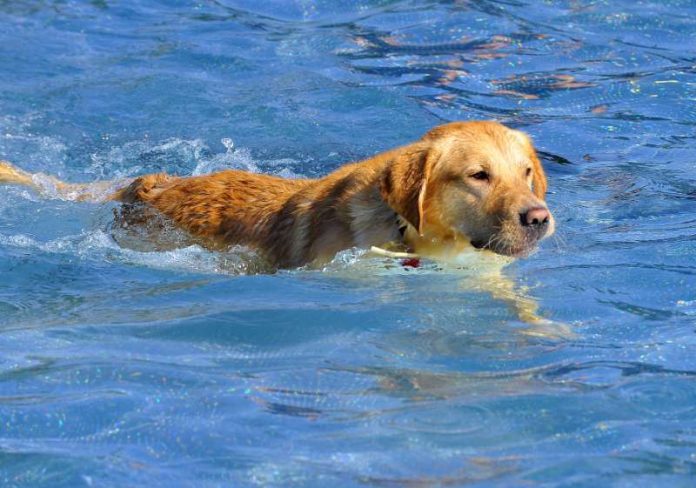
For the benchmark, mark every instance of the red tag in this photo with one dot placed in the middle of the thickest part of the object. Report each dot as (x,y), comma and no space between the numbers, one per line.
(410,263)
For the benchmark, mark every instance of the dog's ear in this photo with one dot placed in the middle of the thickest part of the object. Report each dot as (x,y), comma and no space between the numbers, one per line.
(539,183)
(404,181)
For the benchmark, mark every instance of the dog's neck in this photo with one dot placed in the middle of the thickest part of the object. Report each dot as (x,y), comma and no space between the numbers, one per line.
(348,208)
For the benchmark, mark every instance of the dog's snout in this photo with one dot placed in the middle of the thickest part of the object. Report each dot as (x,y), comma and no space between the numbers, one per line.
(535,217)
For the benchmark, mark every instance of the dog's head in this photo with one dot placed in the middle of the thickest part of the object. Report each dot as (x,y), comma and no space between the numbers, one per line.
(476,180)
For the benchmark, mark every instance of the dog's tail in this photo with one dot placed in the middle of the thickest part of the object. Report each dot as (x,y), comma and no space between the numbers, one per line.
(52,187)
(12,175)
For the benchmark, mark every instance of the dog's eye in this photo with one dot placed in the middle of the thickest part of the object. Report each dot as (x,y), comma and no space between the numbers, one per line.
(529,171)
(481,175)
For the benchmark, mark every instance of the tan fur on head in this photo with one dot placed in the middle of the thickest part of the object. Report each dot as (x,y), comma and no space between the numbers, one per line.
(452,205)
(477,182)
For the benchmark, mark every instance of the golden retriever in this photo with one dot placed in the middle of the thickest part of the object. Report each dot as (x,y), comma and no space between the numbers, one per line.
(462,184)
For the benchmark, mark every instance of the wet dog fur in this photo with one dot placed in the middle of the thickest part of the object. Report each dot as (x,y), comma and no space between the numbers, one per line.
(464,183)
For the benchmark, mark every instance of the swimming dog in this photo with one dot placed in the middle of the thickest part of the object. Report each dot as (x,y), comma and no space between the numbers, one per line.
(463,184)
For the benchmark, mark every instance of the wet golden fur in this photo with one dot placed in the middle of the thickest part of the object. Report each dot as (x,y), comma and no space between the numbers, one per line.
(424,196)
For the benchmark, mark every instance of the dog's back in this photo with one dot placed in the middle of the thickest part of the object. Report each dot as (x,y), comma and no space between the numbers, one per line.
(231,206)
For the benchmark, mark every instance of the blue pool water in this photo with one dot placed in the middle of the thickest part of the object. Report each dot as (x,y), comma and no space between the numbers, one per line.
(125,366)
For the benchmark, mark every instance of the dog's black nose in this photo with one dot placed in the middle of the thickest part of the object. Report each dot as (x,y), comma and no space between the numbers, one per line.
(535,217)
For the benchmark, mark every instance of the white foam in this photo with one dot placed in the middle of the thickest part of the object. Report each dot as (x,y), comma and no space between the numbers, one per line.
(122,161)
(18,143)
(241,158)
(98,245)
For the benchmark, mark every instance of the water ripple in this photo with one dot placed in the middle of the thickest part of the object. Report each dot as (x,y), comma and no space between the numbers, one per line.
(128,361)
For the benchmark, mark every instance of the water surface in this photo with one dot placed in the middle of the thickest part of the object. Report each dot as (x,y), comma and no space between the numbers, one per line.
(122,367)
